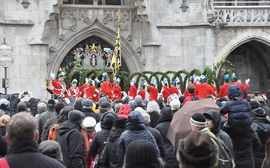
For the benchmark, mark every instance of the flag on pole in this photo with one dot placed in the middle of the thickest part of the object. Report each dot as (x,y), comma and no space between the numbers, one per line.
(116,58)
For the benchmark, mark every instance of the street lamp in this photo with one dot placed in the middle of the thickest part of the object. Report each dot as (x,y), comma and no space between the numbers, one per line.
(5,61)
(184,7)
(25,4)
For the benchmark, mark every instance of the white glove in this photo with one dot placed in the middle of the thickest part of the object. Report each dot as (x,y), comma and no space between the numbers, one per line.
(247,81)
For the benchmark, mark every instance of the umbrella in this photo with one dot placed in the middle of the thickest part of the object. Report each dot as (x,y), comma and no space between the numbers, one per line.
(180,126)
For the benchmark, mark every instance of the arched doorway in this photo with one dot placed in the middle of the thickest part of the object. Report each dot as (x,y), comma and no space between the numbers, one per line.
(63,47)
(91,59)
(251,60)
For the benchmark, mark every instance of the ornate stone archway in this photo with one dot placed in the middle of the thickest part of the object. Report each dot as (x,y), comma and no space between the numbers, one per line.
(250,55)
(239,40)
(67,42)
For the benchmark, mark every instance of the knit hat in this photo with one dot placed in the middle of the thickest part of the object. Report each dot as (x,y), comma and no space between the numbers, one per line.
(198,120)
(124,111)
(4,102)
(234,91)
(259,112)
(76,116)
(141,154)
(107,120)
(51,148)
(89,122)
(120,123)
(139,109)
(105,104)
(146,118)
(135,118)
(138,100)
(87,102)
(197,150)
(166,114)
(175,104)
(152,106)
(51,101)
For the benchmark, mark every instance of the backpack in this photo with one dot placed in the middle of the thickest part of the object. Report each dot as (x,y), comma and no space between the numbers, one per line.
(102,158)
(53,132)
(240,122)
(224,158)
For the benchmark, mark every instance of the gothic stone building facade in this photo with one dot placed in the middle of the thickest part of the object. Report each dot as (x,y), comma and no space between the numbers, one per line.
(156,35)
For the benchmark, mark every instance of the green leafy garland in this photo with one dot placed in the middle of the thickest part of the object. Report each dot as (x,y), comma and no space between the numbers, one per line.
(74,70)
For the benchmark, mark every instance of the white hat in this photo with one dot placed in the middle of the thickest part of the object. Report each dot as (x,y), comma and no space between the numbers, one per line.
(89,122)
(175,104)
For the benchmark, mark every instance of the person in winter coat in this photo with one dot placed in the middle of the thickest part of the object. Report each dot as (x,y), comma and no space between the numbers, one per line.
(244,138)
(197,151)
(214,123)
(101,137)
(154,132)
(262,126)
(71,140)
(163,126)
(239,111)
(266,160)
(112,160)
(51,121)
(46,115)
(22,135)
(153,110)
(87,109)
(52,149)
(135,130)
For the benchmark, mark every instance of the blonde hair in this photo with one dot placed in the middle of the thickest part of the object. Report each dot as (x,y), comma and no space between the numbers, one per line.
(4,120)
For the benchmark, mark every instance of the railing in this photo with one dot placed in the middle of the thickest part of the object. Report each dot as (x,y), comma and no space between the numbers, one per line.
(240,3)
(241,13)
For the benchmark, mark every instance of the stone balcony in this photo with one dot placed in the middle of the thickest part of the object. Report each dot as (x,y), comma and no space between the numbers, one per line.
(241,13)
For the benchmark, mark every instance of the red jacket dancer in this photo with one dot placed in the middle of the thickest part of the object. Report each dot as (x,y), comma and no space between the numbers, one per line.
(204,89)
(192,96)
(89,90)
(166,91)
(106,88)
(59,86)
(223,89)
(132,92)
(74,89)
(243,87)
(117,90)
(153,92)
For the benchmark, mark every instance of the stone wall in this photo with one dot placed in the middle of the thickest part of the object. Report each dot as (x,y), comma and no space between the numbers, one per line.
(155,36)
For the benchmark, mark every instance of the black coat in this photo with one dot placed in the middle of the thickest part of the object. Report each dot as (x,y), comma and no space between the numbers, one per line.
(72,145)
(243,146)
(217,122)
(112,160)
(3,146)
(154,118)
(262,127)
(158,138)
(170,153)
(90,113)
(24,154)
(99,142)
